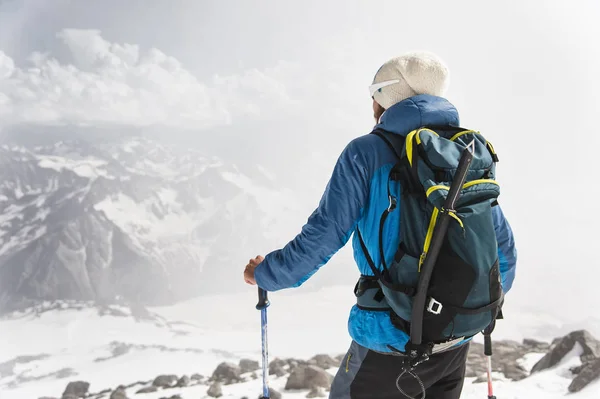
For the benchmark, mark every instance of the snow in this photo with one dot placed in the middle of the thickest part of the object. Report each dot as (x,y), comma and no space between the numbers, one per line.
(87,167)
(195,336)
(138,219)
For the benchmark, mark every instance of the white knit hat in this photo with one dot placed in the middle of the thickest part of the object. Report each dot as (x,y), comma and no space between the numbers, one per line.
(408,75)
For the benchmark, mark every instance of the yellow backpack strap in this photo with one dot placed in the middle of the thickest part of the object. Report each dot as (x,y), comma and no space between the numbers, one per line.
(492,151)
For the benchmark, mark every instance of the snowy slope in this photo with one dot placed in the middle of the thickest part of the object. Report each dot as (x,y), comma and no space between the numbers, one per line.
(115,346)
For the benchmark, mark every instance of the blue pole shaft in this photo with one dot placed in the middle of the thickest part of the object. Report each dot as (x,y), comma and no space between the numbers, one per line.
(265,353)
(263,304)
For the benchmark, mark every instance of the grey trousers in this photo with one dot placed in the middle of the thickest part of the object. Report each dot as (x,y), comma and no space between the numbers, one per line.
(367,374)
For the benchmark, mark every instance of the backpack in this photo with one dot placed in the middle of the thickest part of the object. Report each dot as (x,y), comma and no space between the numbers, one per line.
(461,293)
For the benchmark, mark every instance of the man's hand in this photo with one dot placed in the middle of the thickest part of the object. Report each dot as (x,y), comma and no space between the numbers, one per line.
(249,270)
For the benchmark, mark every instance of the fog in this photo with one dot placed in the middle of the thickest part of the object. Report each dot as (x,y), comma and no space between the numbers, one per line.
(284,85)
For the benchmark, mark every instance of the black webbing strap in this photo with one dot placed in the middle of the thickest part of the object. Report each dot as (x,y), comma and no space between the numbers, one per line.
(375,271)
(406,289)
(470,311)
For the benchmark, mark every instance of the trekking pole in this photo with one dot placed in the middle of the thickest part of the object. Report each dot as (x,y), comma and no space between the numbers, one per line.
(439,232)
(487,350)
(263,304)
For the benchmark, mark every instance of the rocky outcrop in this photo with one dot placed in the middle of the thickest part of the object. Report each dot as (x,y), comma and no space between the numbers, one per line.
(562,346)
(590,358)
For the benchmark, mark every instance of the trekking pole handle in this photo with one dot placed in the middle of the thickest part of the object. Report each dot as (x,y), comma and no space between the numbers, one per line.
(263,300)
(461,175)
(487,345)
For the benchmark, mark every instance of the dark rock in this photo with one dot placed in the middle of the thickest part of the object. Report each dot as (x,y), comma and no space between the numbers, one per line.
(307,377)
(133,384)
(149,389)
(227,373)
(77,389)
(277,367)
(247,366)
(184,381)
(562,346)
(324,362)
(505,360)
(215,390)
(165,381)
(119,393)
(197,377)
(577,369)
(273,394)
(120,349)
(588,373)
(537,346)
(513,371)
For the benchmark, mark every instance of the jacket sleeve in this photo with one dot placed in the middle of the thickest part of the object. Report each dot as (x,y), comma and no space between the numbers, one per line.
(328,228)
(507,251)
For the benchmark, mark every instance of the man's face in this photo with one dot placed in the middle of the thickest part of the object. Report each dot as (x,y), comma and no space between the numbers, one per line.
(378,110)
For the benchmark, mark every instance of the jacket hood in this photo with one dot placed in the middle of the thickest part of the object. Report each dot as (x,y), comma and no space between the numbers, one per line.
(417,111)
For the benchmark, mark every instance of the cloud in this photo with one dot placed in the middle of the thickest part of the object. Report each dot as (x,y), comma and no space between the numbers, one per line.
(111,83)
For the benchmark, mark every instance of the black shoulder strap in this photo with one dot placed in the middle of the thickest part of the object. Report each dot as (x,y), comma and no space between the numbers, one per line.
(374,269)
(394,141)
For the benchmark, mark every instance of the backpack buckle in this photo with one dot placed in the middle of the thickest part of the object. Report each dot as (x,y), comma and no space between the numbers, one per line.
(393,204)
(434,306)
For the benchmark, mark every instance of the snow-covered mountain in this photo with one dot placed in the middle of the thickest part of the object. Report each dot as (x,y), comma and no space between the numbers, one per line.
(126,218)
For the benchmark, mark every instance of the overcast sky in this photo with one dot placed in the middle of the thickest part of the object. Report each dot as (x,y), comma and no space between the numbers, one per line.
(523,73)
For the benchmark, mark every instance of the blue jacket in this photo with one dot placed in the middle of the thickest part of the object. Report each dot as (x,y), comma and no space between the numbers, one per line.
(356,195)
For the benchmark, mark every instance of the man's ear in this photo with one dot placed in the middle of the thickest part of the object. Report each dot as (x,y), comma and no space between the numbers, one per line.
(378,110)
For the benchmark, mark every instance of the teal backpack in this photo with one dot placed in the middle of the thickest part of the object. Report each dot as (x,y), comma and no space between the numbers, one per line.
(460,294)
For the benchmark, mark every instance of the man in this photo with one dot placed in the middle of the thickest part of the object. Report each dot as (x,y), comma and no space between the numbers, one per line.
(407,94)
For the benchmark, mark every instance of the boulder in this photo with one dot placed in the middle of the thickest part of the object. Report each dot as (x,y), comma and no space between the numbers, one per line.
(184,381)
(215,390)
(307,377)
(247,365)
(316,392)
(165,381)
(149,389)
(324,362)
(119,393)
(227,373)
(77,389)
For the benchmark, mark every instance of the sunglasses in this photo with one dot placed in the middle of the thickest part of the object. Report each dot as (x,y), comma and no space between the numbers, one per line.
(378,86)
